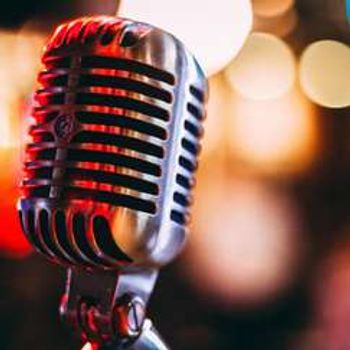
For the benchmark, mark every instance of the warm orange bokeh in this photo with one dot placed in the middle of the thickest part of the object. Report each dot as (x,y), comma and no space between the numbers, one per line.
(12,241)
(17,76)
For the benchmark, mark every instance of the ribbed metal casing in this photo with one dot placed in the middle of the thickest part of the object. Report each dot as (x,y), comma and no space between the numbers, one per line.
(110,168)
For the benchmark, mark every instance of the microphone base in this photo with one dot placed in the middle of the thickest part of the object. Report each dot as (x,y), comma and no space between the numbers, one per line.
(109,308)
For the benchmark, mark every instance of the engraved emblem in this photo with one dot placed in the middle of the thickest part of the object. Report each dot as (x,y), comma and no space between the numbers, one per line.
(64,126)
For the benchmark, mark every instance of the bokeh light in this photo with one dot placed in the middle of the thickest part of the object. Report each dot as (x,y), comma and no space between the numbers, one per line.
(213,31)
(271,8)
(12,241)
(19,58)
(6,139)
(275,136)
(214,141)
(324,73)
(244,245)
(28,45)
(264,69)
(7,89)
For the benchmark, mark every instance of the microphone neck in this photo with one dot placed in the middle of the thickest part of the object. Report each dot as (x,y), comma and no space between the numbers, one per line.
(107,307)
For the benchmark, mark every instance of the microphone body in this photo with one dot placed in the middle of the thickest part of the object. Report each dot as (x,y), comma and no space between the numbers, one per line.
(109,172)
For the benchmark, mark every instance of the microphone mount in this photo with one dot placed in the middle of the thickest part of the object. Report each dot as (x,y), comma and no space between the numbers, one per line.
(109,310)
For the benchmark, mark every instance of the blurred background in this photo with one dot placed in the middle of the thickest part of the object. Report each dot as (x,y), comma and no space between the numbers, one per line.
(267,265)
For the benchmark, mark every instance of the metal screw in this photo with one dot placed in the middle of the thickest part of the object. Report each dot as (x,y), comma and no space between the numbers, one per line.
(131,315)
(136,315)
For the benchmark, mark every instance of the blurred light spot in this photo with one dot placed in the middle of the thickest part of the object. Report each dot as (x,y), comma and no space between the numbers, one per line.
(280,26)
(264,69)
(8,72)
(19,62)
(324,73)
(245,246)
(276,136)
(215,123)
(28,48)
(19,58)
(213,30)
(271,8)
(12,240)
(6,139)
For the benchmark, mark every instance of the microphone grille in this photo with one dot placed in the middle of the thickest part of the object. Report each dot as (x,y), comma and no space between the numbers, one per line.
(82,106)
(117,123)
(187,160)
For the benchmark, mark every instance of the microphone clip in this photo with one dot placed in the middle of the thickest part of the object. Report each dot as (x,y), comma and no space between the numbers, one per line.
(109,309)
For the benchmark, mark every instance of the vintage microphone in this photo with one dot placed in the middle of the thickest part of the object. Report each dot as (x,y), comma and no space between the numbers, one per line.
(109,171)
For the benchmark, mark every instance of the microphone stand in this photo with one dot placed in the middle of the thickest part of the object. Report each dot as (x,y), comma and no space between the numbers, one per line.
(108,309)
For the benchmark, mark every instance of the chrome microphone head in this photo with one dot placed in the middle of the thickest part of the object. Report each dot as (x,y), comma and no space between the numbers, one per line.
(110,168)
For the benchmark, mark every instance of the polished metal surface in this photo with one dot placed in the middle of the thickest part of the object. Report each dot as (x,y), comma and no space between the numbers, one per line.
(149,339)
(118,119)
(105,307)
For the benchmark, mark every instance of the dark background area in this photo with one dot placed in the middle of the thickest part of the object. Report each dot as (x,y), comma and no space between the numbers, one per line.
(14,13)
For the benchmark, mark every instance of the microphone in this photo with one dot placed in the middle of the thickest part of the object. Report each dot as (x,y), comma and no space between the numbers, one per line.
(109,171)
